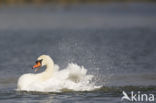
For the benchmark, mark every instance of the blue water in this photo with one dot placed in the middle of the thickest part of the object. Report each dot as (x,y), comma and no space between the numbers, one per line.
(114,41)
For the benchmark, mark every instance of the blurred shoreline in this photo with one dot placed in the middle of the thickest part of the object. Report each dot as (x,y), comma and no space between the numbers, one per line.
(41,2)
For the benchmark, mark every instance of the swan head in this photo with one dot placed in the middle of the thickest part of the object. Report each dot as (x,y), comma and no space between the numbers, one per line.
(43,60)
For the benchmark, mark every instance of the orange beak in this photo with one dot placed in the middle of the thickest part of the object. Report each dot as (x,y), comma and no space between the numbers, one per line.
(38,64)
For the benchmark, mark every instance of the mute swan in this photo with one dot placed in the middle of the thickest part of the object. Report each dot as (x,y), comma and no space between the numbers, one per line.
(27,79)
(73,77)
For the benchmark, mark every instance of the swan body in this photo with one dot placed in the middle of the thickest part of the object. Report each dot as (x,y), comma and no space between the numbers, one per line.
(73,77)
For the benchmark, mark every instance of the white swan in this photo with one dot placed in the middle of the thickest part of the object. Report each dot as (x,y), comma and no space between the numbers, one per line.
(73,77)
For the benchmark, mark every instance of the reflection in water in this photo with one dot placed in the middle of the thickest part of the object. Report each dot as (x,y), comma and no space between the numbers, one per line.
(48,100)
(32,97)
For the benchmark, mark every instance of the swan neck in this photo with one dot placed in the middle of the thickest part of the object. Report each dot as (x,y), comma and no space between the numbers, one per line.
(48,72)
(49,68)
